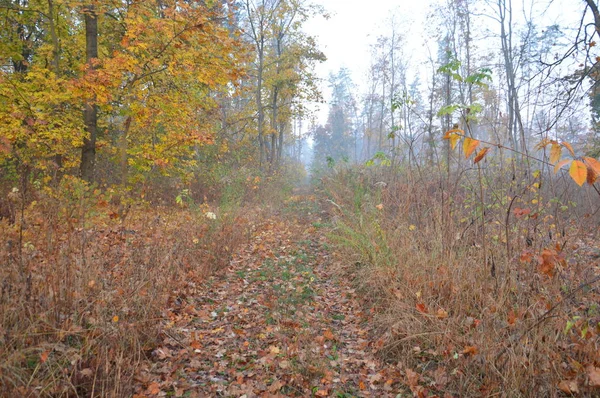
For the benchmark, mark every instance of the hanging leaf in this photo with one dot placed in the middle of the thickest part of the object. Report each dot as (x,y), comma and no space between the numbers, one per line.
(481,154)
(578,172)
(543,143)
(593,166)
(569,147)
(591,176)
(560,164)
(453,137)
(555,152)
(454,130)
(469,145)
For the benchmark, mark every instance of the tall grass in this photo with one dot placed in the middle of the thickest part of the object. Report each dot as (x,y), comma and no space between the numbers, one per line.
(86,275)
(516,322)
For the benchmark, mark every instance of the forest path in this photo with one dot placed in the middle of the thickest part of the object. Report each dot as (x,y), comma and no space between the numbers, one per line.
(276,323)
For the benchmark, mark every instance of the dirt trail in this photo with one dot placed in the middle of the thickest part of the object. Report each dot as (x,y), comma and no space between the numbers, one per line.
(275,323)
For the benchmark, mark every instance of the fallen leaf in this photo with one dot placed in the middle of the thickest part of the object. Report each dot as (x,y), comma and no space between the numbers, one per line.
(44,356)
(153,388)
(412,377)
(470,350)
(284,364)
(568,387)
(421,308)
(442,314)
(328,335)
(593,374)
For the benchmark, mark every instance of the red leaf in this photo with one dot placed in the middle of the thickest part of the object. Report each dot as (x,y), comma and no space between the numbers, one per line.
(481,154)
(421,308)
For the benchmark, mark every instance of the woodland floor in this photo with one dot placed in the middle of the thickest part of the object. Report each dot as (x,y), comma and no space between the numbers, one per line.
(277,322)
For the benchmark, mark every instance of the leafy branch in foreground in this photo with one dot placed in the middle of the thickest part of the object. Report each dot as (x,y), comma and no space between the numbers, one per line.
(583,168)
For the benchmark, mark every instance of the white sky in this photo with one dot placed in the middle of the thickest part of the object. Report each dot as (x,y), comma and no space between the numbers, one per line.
(355,24)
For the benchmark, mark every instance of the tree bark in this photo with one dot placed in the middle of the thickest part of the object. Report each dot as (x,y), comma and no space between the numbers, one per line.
(90,113)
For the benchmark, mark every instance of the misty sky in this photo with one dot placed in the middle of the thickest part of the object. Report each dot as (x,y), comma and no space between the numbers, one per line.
(355,24)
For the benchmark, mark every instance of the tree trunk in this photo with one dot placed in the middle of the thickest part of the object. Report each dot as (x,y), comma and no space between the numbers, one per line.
(90,113)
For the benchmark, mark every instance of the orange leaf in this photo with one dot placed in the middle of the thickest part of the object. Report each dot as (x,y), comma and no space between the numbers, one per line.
(442,314)
(512,317)
(362,385)
(578,172)
(421,308)
(469,145)
(470,350)
(521,212)
(153,388)
(44,356)
(560,164)
(547,261)
(328,335)
(569,147)
(481,154)
(454,138)
(555,152)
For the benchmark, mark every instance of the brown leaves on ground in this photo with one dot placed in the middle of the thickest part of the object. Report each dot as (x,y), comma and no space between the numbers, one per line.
(276,323)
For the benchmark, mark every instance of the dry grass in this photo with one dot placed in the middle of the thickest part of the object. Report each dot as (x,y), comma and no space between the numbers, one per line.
(84,280)
(506,327)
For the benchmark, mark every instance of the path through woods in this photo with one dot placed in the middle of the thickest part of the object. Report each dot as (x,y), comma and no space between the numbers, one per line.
(276,323)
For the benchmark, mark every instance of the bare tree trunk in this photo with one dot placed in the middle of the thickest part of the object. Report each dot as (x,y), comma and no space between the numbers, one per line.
(90,113)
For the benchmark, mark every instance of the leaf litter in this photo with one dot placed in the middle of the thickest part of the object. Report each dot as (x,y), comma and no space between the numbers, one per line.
(277,322)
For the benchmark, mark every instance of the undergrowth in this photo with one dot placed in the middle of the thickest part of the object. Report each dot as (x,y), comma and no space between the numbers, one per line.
(520,318)
(87,272)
